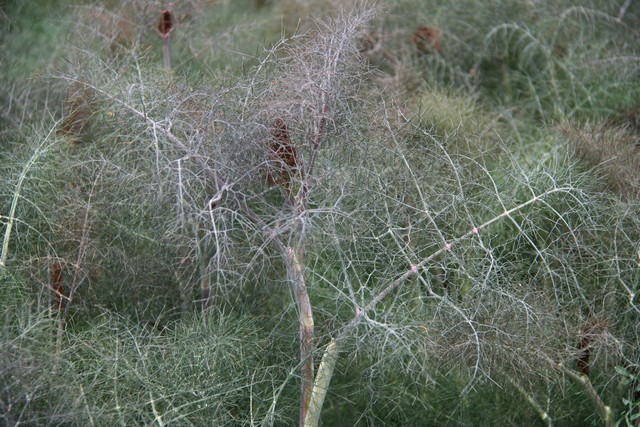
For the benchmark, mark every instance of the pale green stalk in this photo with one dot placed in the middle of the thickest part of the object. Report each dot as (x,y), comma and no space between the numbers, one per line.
(16,195)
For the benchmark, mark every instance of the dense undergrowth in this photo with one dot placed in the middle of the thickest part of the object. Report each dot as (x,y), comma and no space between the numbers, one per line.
(441,198)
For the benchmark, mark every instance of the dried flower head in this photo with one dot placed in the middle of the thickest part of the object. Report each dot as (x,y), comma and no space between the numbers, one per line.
(283,156)
(165,26)
(428,39)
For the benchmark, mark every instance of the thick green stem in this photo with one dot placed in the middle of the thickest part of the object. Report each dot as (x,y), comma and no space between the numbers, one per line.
(321,384)
(295,271)
(603,410)
(544,416)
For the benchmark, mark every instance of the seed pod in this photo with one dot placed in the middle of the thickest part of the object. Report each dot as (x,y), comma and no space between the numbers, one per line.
(283,156)
(428,39)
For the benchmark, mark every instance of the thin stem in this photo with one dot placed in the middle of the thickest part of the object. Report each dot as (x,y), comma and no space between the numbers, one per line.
(40,150)
(166,53)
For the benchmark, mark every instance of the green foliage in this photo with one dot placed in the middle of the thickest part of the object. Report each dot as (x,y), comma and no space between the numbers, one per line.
(466,259)
(28,392)
(537,61)
(192,372)
(630,380)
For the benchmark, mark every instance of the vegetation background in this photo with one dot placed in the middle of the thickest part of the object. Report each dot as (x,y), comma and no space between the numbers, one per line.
(319,212)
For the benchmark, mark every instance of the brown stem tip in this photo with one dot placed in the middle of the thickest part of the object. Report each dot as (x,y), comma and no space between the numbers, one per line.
(165,26)
(283,155)
(428,39)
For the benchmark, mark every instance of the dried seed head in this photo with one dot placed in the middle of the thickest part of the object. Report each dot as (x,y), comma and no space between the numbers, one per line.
(428,39)
(283,155)
(165,26)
